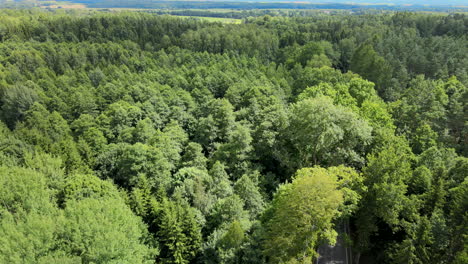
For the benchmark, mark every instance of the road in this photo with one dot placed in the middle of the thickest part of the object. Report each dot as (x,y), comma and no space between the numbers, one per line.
(337,254)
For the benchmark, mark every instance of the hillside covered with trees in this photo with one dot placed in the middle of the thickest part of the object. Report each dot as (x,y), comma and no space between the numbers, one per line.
(130,137)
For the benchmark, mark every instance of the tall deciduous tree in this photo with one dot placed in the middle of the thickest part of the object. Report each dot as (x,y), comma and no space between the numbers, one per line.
(321,133)
(386,176)
(300,216)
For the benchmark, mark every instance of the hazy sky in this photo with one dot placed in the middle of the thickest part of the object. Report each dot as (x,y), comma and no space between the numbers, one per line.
(398,2)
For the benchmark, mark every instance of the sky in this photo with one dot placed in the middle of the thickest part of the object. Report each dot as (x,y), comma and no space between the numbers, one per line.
(396,2)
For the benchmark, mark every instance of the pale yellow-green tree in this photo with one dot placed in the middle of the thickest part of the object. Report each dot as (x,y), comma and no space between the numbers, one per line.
(300,216)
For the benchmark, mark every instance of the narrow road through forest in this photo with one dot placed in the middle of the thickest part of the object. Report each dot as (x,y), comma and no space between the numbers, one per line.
(337,254)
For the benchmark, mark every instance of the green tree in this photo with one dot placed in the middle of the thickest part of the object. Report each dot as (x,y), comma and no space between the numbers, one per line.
(98,229)
(222,186)
(458,219)
(456,110)
(179,233)
(373,67)
(415,249)
(216,125)
(321,133)
(301,215)
(172,140)
(422,107)
(51,133)
(193,156)
(248,190)
(118,121)
(124,162)
(103,230)
(236,152)
(193,184)
(225,211)
(386,175)
(15,101)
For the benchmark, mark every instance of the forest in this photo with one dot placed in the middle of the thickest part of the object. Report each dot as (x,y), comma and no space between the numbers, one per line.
(133,137)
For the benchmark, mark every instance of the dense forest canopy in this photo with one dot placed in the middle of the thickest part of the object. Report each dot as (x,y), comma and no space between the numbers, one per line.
(132,137)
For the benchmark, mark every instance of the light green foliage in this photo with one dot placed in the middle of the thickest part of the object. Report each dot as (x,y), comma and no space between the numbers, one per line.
(28,222)
(376,113)
(144,131)
(362,90)
(34,230)
(339,93)
(312,54)
(357,95)
(24,190)
(91,144)
(27,239)
(301,216)
(103,231)
(51,167)
(351,184)
(234,236)
(310,76)
(78,187)
(420,181)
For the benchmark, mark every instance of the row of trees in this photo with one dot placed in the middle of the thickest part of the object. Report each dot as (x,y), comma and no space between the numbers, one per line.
(133,138)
